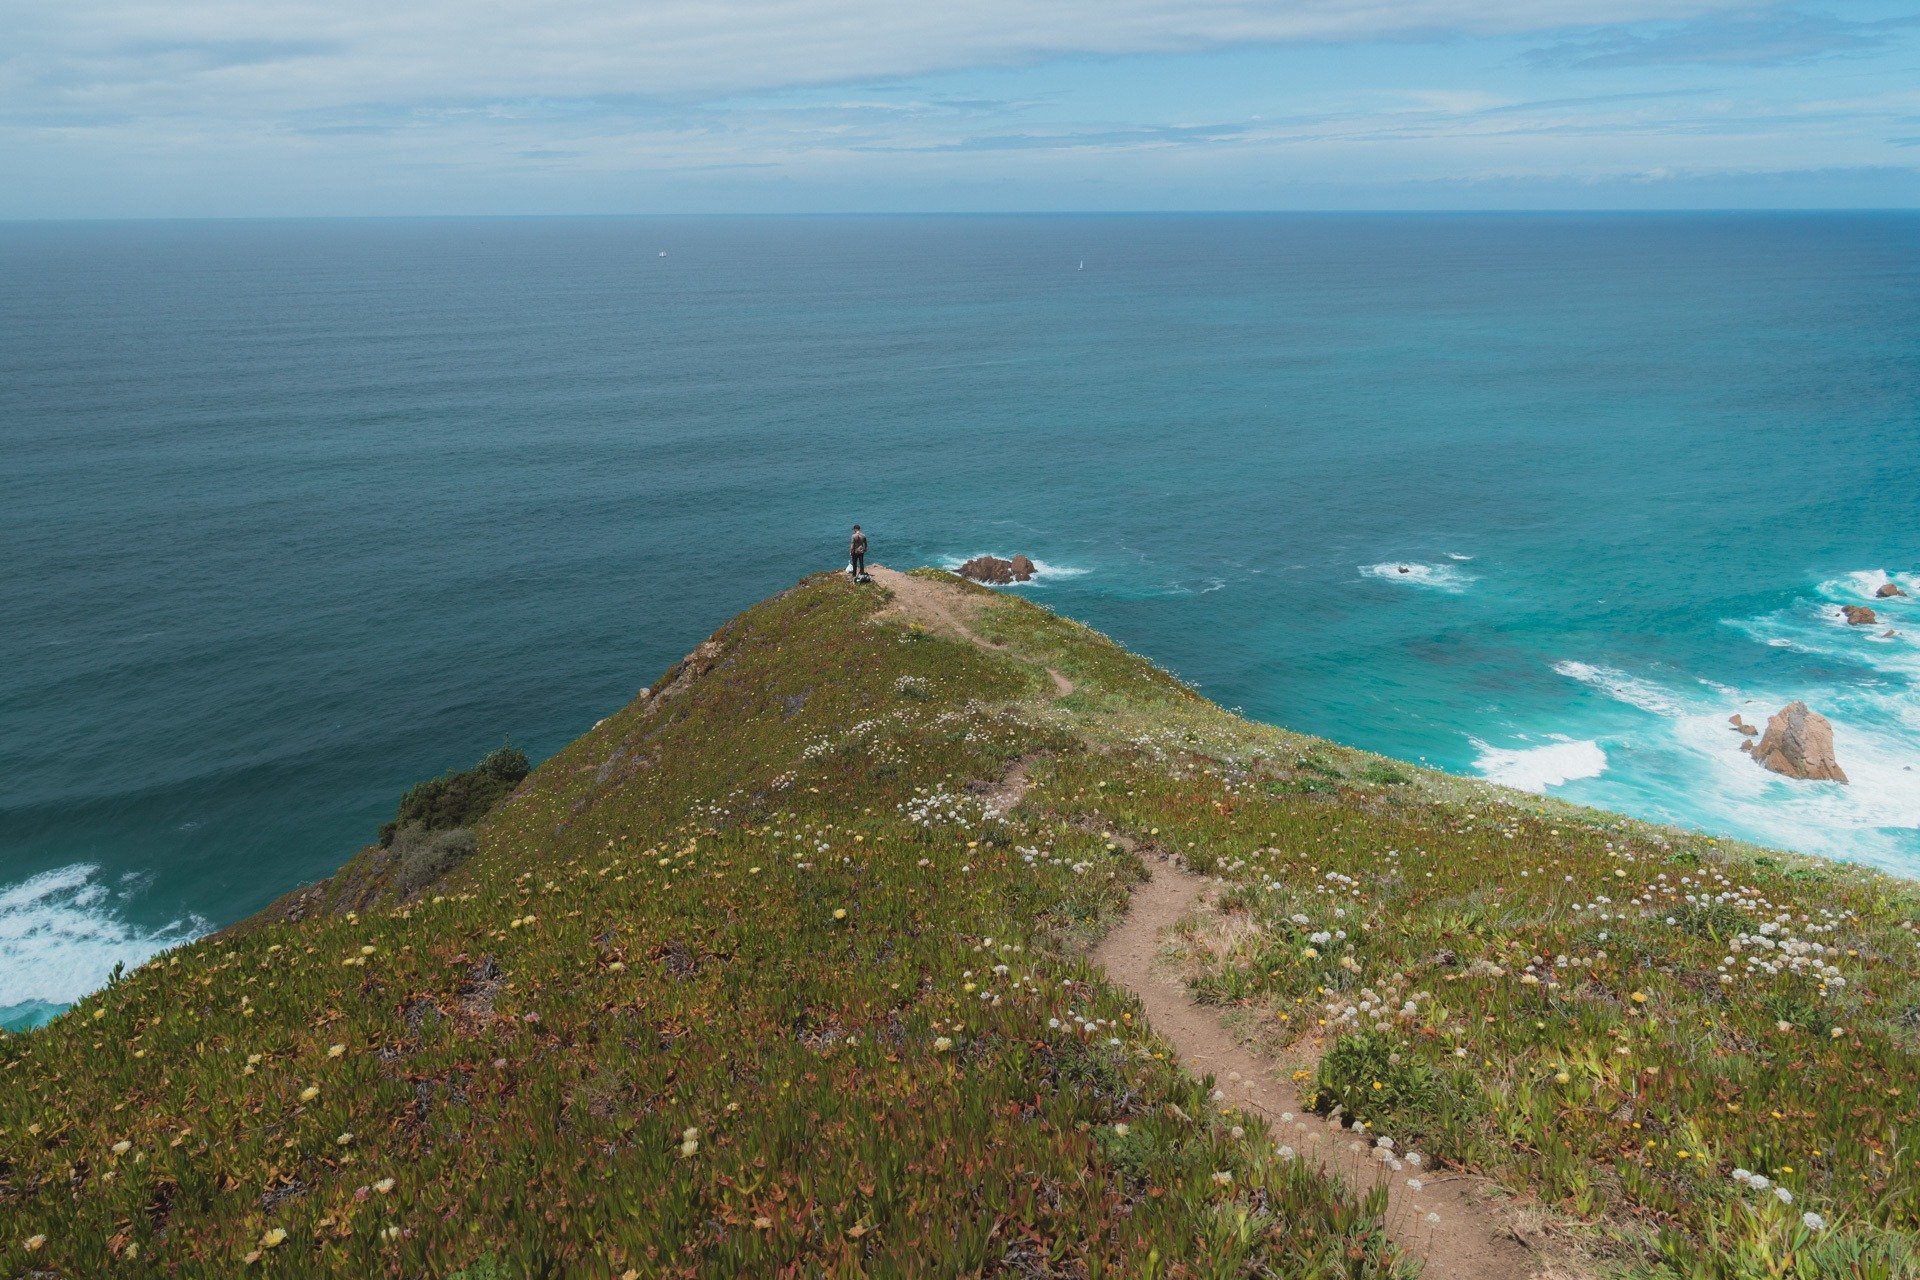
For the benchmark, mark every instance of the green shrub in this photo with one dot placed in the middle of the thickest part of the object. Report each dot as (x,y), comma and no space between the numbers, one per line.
(459,799)
(426,856)
(1716,920)
(508,763)
(1314,762)
(1368,1078)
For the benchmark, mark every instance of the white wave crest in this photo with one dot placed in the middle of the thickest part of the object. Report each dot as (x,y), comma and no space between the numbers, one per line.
(1633,690)
(60,938)
(1537,768)
(1440,577)
(1865,584)
(1816,627)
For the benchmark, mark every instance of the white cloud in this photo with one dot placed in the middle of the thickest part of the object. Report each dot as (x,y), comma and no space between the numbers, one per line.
(206,56)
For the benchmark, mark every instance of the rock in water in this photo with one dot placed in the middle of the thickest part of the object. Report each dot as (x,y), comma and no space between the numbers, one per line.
(1888,590)
(1022,569)
(1799,744)
(1858,615)
(991,569)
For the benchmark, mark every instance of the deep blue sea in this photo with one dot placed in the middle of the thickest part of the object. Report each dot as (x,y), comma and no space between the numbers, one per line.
(294,514)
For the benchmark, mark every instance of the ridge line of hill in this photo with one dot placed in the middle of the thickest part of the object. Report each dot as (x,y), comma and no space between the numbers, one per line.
(786,969)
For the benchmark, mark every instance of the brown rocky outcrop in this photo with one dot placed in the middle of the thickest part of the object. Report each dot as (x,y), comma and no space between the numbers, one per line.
(1799,744)
(989,569)
(997,572)
(1888,590)
(1741,726)
(1858,615)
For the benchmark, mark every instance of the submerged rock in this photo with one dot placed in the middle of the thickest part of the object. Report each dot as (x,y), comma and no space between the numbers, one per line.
(1799,744)
(1858,615)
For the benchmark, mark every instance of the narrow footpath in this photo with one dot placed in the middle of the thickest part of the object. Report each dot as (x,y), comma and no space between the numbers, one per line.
(1469,1240)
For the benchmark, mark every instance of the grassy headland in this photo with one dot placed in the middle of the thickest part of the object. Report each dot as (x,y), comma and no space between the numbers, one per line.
(754,979)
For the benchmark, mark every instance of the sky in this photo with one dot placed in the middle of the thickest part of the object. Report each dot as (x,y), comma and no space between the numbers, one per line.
(248,108)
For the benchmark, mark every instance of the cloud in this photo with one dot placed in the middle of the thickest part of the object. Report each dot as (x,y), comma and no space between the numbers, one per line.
(1763,37)
(207,56)
(300,106)
(1162,135)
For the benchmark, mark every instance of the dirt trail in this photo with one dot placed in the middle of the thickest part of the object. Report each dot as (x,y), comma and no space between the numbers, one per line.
(1471,1240)
(933,606)
(941,608)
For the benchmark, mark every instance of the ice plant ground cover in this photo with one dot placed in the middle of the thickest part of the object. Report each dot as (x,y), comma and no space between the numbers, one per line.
(755,979)
(743,982)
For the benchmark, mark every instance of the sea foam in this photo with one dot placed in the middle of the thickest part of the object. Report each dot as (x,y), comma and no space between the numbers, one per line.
(1688,766)
(61,936)
(1440,577)
(1044,571)
(1633,690)
(1537,768)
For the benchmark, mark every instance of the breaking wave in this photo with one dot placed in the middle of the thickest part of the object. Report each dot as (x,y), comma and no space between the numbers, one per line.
(1044,571)
(1686,762)
(1537,768)
(1440,577)
(61,936)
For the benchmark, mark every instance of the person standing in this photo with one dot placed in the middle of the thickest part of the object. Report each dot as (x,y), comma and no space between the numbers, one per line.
(857,551)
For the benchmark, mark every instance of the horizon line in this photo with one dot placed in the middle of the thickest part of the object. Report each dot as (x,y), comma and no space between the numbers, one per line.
(1518,211)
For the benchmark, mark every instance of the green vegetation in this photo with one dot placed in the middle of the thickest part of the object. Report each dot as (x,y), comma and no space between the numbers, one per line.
(1706,1056)
(743,982)
(749,980)
(427,856)
(459,799)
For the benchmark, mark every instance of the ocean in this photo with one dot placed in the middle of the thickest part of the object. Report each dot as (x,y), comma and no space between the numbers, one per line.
(295,514)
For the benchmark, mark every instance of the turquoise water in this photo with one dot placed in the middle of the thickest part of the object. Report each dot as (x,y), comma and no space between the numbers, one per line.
(295,514)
